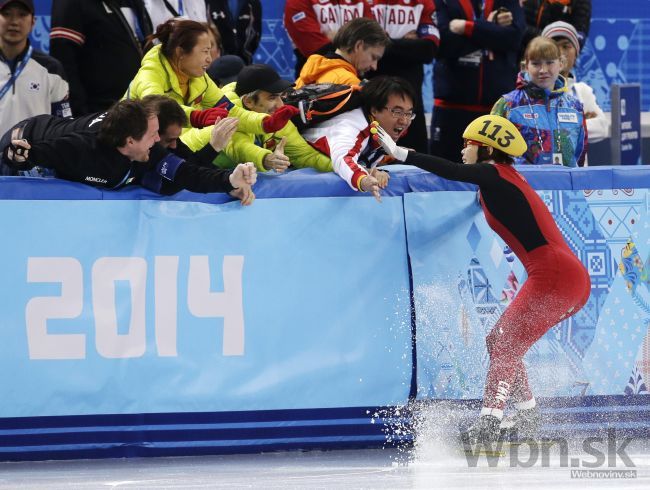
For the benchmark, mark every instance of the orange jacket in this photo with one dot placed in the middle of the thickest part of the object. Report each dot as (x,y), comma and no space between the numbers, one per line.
(320,69)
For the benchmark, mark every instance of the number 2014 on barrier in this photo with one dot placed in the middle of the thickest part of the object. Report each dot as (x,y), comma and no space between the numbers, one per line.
(106,271)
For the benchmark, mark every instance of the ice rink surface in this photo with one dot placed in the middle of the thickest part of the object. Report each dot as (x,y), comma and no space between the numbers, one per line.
(431,463)
(428,467)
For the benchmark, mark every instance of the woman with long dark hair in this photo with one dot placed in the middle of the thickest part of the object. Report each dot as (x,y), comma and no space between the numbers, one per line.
(176,67)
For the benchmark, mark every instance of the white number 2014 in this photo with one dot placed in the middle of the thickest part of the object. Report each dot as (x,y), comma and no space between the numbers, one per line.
(106,271)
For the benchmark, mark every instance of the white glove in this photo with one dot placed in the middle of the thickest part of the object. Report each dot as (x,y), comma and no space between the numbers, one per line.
(388,144)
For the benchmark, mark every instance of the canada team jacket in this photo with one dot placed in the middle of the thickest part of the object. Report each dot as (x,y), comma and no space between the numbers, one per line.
(346,139)
(310,23)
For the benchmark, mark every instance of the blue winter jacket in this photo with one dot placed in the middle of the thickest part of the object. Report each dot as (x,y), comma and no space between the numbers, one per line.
(551,121)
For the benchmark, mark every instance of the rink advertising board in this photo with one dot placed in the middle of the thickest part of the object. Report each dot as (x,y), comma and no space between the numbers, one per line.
(153,306)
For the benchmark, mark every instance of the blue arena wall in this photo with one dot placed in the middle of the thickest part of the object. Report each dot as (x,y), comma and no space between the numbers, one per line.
(135,324)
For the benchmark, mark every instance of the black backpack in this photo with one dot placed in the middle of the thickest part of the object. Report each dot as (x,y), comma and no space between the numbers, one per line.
(319,102)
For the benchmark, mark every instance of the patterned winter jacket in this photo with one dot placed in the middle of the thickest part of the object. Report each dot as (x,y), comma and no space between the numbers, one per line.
(551,122)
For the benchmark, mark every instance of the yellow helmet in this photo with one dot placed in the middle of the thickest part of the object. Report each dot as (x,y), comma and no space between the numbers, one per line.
(497,132)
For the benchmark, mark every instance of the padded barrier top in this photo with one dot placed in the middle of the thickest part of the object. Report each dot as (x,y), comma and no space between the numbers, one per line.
(309,183)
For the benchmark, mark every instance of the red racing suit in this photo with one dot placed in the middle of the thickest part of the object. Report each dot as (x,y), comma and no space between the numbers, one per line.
(557,286)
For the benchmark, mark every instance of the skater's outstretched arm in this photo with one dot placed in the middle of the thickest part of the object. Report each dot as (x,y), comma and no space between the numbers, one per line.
(477,173)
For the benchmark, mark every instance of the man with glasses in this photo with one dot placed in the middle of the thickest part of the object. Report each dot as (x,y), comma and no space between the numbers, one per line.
(346,137)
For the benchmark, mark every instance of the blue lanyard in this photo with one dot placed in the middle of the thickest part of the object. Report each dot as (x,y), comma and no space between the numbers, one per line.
(16,74)
(537,130)
(180,8)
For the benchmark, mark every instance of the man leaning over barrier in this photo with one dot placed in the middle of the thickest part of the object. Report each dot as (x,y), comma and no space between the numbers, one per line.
(259,88)
(123,152)
(346,137)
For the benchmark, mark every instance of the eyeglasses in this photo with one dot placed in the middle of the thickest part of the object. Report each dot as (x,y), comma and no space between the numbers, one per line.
(399,113)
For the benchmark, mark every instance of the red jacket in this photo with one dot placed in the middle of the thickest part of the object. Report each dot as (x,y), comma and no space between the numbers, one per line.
(308,22)
(400,17)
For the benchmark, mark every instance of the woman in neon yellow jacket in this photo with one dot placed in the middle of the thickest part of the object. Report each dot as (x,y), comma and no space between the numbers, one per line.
(176,68)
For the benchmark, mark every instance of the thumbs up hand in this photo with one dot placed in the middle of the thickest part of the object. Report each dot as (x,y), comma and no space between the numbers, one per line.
(277,160)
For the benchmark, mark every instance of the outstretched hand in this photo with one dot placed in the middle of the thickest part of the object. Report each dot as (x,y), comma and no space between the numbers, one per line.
(387,143)
(245,194)
(381,176)
(279,119)
(243,175)
(222,131)
(207,117)
(370,184)
(17,152)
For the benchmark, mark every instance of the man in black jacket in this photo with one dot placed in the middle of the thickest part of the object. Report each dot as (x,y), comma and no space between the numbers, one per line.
(540,13)
(240,29)
(99,43)
(475,64)
(123,152)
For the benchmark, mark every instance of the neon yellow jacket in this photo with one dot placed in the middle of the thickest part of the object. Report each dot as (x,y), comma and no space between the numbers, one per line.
(156,76)
(242,146)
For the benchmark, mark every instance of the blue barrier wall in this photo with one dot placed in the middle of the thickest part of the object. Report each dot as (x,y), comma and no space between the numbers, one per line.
(139,325)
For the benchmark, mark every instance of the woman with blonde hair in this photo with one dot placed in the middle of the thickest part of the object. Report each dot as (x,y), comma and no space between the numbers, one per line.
(549,117)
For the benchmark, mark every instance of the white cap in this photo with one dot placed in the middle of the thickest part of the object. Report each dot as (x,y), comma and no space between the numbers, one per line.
(563,29)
